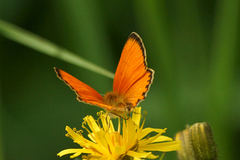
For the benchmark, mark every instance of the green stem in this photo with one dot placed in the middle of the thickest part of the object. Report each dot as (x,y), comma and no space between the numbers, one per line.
(47,47)
(161,158)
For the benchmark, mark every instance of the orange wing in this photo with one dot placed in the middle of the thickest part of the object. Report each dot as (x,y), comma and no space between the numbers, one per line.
(133,78)
(84,92)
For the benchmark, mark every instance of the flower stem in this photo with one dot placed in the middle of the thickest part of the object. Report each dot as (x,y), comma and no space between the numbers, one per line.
(47,47)
(161,158)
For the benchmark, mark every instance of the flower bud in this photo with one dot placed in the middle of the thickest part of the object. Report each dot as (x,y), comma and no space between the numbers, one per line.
(186,152)
(201,139)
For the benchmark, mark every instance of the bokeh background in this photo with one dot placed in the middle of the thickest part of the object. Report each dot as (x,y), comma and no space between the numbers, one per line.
(193,46)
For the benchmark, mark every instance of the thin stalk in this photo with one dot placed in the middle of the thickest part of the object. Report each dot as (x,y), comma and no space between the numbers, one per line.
(47,47)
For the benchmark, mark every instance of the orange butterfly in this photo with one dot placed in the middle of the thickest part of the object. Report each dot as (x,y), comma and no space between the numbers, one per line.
(131,82)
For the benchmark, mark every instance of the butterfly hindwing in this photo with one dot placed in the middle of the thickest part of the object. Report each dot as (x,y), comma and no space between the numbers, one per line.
(139,89)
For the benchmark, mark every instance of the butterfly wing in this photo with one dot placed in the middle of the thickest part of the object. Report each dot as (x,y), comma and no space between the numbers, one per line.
(84,92)
(133,78)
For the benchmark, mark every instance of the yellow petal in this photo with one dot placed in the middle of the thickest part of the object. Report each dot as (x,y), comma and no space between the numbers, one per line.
(76,152)
(124,132)
(92,124)
(108,141)
(131,129)
(77,138)
(119,150)
(164,147)
(101,142)
(162,139)
(136,116)
(136,158)
(148,130)
(147,140)
(92,137)
(139,154)
(152,156)
(132,137)
(106,123)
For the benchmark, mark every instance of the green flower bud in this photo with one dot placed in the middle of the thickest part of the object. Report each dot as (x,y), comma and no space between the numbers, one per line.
(186,152)
(201,139)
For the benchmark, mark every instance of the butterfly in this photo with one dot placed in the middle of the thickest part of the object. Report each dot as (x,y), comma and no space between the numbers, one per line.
(131,82)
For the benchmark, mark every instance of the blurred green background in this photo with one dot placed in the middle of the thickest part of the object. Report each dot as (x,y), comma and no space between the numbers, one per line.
(192,46)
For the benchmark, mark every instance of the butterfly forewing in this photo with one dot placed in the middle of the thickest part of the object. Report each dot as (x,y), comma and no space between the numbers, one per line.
(133,78)
(84,92)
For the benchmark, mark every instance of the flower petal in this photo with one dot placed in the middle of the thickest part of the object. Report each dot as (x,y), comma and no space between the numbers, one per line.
(76,152)
(77,138)
(92,124)
(119,150)
(164,147)
(148,130)
(102,143)
(141,154)
(136,116)
(151,139)
(132,137)
(162,138)
(106,122)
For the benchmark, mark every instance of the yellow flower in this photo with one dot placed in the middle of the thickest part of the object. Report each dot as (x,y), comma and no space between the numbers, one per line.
(129,140)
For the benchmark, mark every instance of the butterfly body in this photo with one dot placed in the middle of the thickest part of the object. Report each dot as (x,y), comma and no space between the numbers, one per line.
(119,103)
(131,83)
